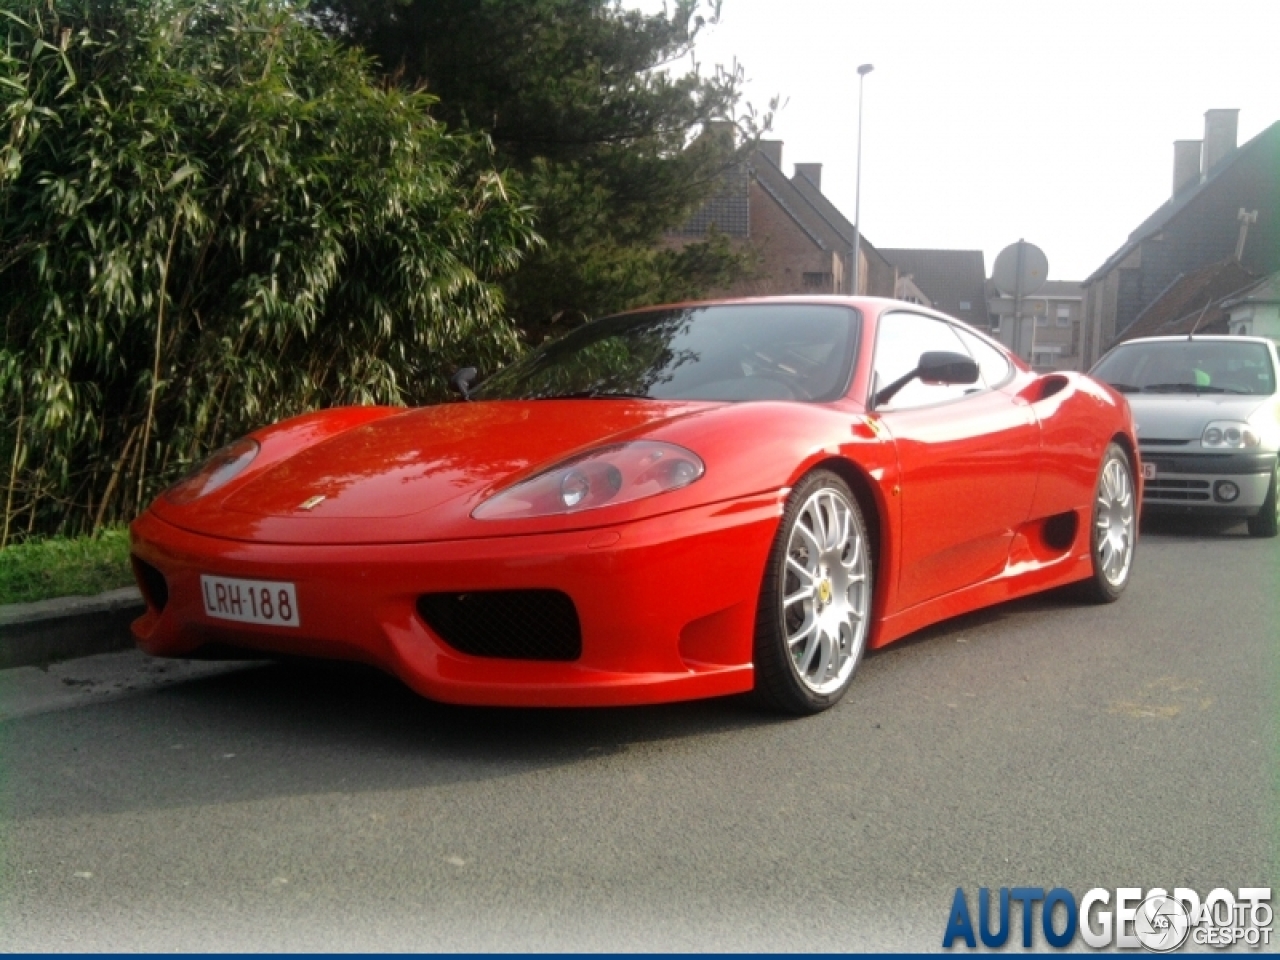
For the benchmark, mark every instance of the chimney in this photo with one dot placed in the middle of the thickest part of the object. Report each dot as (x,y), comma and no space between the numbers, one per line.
(1219,137)
(811,172)
(1186,164)
(773,150)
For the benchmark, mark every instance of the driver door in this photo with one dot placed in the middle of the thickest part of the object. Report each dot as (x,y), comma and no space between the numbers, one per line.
(968,458)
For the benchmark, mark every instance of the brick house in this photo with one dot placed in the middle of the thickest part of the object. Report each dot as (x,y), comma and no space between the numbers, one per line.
(803,241)
(1224,203)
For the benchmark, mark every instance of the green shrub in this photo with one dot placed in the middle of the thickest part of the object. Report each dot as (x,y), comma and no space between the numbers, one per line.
(212,218)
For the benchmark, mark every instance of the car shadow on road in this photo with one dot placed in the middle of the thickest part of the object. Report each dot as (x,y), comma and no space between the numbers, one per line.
(309,727)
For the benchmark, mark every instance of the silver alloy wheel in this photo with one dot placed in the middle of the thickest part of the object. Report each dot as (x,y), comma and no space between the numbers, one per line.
(824,602)
(1113,521)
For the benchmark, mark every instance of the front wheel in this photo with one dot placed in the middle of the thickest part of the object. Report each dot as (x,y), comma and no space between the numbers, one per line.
(815,603)
(1267,522)
(1114,536)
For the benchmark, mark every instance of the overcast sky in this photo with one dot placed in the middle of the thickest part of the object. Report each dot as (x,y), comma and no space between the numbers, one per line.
(988,121)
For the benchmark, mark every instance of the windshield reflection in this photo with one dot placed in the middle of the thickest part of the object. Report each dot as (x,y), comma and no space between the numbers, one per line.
(732,353)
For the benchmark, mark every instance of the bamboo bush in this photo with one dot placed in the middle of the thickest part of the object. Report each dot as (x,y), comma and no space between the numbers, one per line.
(212,218)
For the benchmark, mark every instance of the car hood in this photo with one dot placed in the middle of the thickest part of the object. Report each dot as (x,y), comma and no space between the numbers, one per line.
(416,475)
(1183,416)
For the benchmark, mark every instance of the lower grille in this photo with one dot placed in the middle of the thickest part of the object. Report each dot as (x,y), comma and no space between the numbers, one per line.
(508,624)
(1176,489)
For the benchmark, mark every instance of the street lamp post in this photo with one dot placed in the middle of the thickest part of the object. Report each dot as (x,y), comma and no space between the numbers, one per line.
(863,70)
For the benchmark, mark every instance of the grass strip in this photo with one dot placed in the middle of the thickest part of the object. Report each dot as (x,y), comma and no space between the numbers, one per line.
(63,567)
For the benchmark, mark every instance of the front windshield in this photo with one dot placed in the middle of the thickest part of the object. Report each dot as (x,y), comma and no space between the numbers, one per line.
(1189,366)
(729,353)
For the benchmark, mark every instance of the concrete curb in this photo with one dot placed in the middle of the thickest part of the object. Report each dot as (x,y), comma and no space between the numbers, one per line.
(34,634)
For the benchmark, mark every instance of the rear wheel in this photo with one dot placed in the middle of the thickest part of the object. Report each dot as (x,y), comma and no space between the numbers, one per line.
(1267,522)
(815,603)
(1113,537)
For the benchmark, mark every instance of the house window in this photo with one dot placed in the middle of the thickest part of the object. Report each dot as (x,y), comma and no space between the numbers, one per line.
(995,324)
(964,304)
(1064,316)
(1042,320)
(817,281)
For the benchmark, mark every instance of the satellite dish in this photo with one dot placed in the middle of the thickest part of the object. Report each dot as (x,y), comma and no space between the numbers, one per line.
(1020,270)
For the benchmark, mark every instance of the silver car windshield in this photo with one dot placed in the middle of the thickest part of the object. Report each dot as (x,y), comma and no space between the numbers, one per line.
(1189,366)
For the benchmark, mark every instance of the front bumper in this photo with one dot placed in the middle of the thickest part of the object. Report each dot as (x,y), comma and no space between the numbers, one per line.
(666,605)
(1195,483)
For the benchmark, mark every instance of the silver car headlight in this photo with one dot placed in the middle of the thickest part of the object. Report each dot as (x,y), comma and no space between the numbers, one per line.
(1230,435)
(1265,422)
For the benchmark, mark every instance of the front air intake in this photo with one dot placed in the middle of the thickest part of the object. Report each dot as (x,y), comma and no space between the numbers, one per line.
(155,589)
(507,624)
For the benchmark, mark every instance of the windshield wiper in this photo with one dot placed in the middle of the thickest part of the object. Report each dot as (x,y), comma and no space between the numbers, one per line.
(1124,387)
(1181,388)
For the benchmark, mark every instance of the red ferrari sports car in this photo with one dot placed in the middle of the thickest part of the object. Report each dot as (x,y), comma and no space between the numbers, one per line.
(677,502)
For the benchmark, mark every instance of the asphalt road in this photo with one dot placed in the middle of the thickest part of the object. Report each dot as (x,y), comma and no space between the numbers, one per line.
(147,805)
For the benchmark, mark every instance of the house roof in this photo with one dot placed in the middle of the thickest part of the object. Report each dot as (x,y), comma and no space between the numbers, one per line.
(1172,207)
(948,277)
(1194,301)
(832,216)
(729,211)
(772,180)
(1060,288)
(1266,290)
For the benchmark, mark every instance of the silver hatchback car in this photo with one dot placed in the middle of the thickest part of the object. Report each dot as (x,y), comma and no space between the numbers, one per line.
(1208,419)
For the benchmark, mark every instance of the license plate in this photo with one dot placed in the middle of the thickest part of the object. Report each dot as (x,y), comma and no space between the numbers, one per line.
(1148,471)
(268,602)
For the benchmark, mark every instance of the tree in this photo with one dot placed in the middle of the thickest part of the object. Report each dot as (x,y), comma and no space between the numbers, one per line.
(583,104)
(211,218)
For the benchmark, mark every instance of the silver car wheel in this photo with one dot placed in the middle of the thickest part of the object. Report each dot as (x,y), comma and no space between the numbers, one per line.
(1114,520)
(825,592)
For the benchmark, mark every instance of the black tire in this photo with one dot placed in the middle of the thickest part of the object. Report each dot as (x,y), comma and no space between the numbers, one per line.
(1114,528)
(1267,522)
(806,676)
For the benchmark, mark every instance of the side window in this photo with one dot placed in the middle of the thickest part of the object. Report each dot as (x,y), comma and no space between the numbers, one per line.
(901,339)
(992,364)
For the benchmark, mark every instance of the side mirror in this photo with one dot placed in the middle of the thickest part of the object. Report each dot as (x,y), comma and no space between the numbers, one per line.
(935,366)
(943,366)
(461,381)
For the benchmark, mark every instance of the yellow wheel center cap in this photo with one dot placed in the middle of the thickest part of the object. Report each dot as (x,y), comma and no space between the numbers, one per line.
(824,591)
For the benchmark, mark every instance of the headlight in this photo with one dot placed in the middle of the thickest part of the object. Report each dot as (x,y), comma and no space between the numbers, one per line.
(220,469)
(1229,434)
(604,477)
